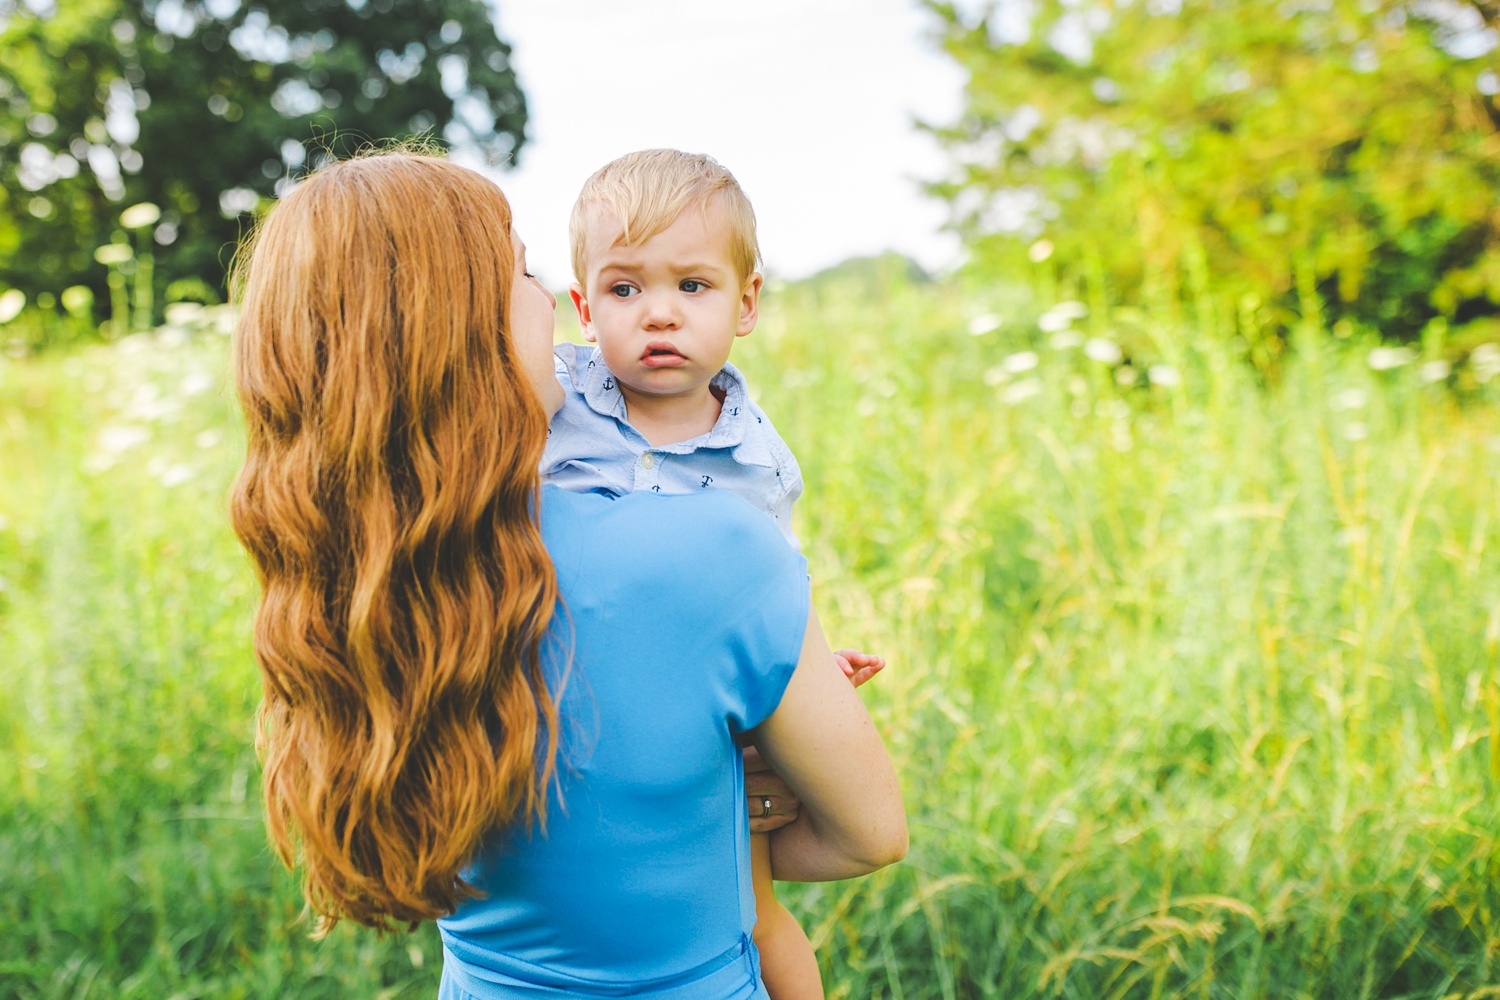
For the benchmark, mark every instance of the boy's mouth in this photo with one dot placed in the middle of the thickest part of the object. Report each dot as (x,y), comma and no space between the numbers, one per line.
(661,354)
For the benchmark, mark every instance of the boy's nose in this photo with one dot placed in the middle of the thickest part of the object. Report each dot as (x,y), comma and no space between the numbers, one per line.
(661,313)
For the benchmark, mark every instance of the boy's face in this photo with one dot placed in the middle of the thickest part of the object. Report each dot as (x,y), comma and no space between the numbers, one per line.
(665,312)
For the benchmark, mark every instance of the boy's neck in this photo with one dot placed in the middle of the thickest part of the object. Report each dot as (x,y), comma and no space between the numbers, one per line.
(664,420)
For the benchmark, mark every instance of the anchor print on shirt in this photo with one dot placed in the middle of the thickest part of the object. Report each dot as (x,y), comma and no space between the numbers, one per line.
(706,481)
(609,382)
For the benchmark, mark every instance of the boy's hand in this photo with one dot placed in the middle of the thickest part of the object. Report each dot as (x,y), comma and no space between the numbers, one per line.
(858,667)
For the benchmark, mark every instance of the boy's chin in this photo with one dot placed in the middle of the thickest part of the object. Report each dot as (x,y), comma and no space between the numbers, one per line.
(661,388)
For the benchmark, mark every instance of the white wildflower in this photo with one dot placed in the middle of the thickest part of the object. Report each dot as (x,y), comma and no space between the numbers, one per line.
(113,253)
(1434,371)
(1385,358)
(1125,375)
(176,475)
(1017,392)
(1040,251)
(866,406)
(122,437)
(1485,360)
(996,375)
(195,383)
(1348,399)
(1064,340)
(1356,431)
(182,313)
(984,323)
(1022,361)
(1104,351)
(136,343)
(139,216)
(172,336)
(1163,375)
(11,304)
(207,439)
(1061,316)
(149,404)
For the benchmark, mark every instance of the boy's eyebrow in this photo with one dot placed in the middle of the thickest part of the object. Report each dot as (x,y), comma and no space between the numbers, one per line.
(689,267)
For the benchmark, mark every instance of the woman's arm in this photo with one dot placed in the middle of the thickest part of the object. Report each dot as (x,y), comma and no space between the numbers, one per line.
(821,741)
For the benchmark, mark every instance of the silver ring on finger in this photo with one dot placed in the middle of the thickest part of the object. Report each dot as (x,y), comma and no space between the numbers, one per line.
(765,806)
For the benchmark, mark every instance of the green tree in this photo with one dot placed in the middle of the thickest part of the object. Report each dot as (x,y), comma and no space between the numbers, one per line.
(1339,158)
(203,107)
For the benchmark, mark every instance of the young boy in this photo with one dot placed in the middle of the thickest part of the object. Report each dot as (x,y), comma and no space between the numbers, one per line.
(664,253)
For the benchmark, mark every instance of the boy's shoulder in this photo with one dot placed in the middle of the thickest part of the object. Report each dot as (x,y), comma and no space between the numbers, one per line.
(574,363)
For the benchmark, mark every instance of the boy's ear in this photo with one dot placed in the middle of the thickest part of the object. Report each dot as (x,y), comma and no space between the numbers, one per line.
(749,304)
(585,318)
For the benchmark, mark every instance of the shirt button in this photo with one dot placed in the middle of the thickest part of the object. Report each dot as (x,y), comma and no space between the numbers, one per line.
(647,461)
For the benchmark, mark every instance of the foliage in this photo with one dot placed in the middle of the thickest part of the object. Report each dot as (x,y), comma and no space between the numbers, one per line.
(1194,681)
(1341,155)
(202,107)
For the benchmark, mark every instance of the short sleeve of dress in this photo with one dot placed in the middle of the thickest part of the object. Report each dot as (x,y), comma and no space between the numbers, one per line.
(765,631)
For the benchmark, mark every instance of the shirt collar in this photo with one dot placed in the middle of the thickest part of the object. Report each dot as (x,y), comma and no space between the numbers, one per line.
(601,390)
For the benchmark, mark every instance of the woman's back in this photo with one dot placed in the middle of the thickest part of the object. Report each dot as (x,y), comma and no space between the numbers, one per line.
(686,617)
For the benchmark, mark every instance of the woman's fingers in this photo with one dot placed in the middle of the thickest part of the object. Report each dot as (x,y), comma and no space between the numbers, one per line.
(772,804)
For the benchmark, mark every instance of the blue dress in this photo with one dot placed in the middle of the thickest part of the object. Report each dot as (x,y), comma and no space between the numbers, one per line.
(686,616)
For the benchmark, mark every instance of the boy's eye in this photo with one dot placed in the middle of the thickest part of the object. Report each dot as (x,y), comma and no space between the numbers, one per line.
(621,291)
(692,285)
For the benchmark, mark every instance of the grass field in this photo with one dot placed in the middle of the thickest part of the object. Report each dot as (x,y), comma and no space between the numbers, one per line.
(1194,684)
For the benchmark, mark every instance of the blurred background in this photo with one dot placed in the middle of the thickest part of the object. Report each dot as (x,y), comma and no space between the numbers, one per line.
(1141,357)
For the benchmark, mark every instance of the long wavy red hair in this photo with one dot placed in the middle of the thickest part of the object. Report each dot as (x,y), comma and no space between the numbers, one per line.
(387,500)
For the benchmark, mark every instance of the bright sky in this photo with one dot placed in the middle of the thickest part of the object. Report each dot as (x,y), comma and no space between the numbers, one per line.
(809,104)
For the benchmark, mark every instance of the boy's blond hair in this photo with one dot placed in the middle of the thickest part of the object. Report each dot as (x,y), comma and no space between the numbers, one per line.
(648,190)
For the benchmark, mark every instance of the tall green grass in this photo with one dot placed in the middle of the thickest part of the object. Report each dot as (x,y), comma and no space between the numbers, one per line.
(1194,684)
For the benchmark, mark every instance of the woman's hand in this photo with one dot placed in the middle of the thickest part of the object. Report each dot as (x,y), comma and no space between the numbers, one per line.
(764,785)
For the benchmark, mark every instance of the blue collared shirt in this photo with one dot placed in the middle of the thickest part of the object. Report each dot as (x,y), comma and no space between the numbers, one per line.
(593,447)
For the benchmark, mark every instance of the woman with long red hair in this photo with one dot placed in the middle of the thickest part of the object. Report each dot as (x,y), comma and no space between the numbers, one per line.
(510,708)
